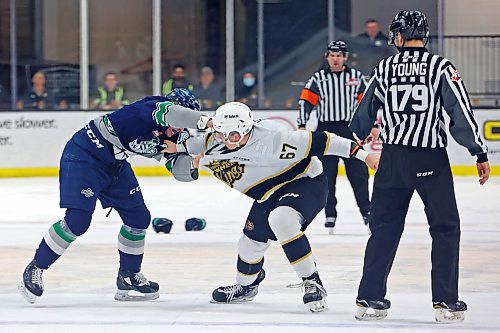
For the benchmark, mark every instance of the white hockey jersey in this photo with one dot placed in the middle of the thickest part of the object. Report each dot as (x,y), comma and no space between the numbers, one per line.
(272,157)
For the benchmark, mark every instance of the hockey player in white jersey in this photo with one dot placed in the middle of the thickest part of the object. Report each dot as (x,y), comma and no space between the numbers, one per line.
(279,169)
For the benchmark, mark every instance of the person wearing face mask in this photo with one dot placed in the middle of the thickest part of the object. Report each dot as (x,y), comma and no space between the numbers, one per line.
(248,93)
(178,80)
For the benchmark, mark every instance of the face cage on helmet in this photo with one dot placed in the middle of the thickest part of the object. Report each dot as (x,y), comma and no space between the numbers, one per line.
(221,138)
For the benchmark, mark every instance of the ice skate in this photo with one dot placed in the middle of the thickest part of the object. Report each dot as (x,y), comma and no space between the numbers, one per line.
(330,224)
(238,293)
(372,310)
(447,313)
(314,293)
(31,286)
(135,287)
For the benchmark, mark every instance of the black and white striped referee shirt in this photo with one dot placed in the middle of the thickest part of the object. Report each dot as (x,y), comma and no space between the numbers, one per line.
(414,87)
(335,93)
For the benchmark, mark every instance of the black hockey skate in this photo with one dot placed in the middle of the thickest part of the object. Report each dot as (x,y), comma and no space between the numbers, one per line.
(372,310)
(449,312)
(31,287)
(314,293)
(330,224)
(238,293)
(135,287)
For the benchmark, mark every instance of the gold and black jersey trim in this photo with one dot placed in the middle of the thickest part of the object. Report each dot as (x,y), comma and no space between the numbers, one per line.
(318,144)
(208,138)
(263,188)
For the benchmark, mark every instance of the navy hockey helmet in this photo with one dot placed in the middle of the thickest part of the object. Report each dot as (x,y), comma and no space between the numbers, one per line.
(411,24)
(184,97)
(337,46)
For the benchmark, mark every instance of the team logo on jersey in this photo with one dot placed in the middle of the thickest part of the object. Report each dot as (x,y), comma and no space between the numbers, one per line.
(145,147)
(455,76)
(87,192)
(353,82)
(249,225)
(183,136)
(228,172)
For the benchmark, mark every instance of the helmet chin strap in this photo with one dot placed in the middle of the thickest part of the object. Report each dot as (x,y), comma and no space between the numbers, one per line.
(400,48)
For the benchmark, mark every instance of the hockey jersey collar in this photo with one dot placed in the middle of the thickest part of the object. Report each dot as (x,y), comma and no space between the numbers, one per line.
(414,48)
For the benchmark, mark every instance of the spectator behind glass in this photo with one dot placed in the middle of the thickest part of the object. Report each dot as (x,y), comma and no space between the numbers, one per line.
(370,47)
(208,92)
(37,97)
(178,80)
(248,92)
(111,95)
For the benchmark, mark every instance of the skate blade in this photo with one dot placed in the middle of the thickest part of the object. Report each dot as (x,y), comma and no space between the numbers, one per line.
(28,295)
(234,301)
(367,314)
(330,231)
(445,316)
(134,296)
(317,306)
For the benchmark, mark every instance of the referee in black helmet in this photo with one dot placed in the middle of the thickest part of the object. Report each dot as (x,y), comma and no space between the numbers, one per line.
(415,89)
(335,91)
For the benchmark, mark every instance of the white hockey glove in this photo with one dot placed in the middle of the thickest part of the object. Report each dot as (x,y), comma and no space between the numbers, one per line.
(202,123)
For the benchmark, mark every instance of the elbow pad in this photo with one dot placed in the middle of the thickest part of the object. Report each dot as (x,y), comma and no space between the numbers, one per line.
(182,168)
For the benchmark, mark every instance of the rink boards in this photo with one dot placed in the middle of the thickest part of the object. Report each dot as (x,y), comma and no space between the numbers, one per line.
(31,142)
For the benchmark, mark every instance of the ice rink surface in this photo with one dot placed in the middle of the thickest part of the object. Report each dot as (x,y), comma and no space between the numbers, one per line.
(189,265)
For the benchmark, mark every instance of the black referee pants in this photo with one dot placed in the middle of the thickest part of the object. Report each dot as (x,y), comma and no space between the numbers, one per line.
(402,170)
(356,170)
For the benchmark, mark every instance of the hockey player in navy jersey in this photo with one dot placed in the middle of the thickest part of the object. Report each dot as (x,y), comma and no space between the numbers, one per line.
(93,166)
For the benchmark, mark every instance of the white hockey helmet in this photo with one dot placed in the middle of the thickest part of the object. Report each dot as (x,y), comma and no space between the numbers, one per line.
(232,121)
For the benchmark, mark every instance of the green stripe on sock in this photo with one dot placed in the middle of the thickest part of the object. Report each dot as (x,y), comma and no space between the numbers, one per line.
(61,233)
(131,236)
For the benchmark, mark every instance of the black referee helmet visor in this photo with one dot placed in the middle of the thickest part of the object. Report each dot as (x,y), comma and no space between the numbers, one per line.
(411,24)
(337,46)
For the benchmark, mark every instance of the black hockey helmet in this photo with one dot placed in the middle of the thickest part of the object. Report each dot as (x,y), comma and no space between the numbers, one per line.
(411,24)
(337,46)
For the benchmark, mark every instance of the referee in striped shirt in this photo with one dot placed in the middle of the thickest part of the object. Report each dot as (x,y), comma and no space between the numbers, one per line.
(336,91)
(415,88)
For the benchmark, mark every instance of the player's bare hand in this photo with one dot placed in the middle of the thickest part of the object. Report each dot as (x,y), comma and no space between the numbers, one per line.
(483,170)
(196,160)
(170,148)
(374,133)
(372,161)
